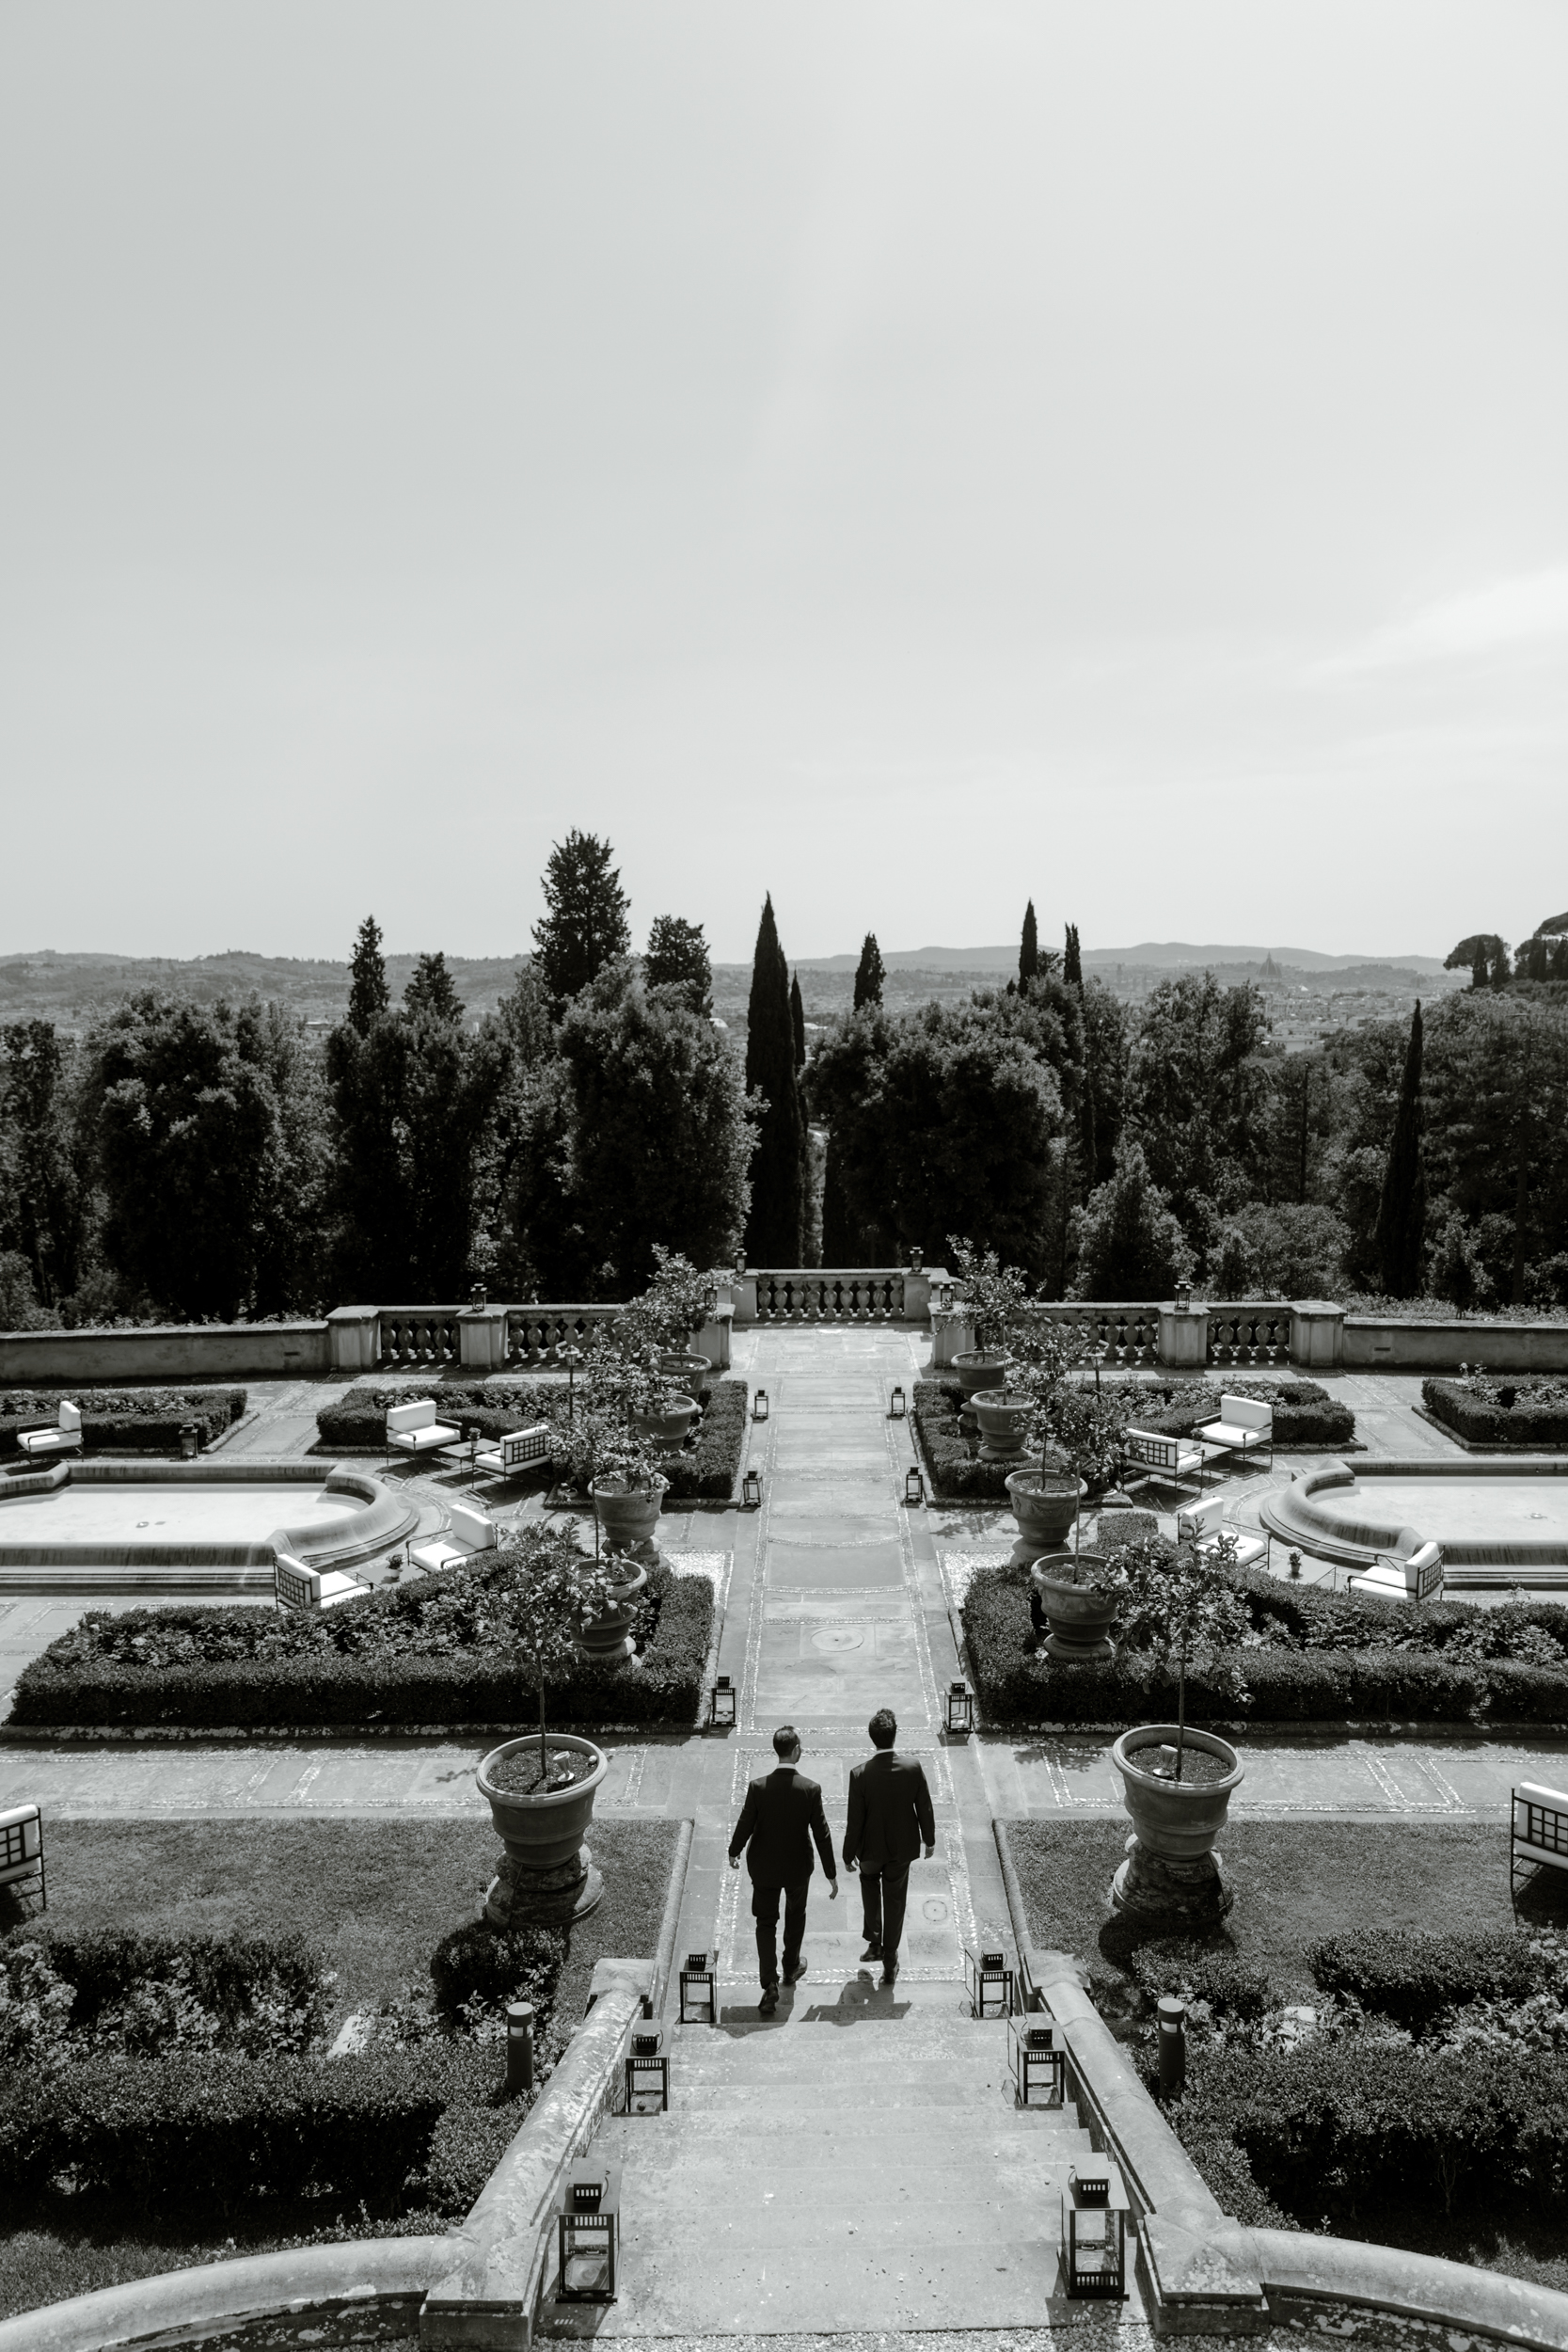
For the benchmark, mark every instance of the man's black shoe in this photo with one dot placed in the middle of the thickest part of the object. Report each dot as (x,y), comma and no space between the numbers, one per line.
(769,2002)
(890,1978)
(872,1951)
(793,1976)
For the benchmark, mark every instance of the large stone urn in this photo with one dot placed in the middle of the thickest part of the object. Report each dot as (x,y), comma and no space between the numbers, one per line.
(629,1516)
(608,1640)
(1078,1609)
(1045,1504)
(667,1431)
(1172,1873)
(1002,1416)
(981,1368)
(546,1874)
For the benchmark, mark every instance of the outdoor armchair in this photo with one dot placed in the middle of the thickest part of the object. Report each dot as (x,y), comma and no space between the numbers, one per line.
(1167,1460)
(469,1531)
(1244,1427)
(418,1429)
(518,1450)
(296,1586)
(61,1436)
(1203,1524)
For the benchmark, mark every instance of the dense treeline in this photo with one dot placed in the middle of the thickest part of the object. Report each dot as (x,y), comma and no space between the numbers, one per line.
(188,1162)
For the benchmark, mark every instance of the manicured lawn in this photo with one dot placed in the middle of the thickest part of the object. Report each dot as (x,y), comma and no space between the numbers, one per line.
(1295,1881)
(378,1895)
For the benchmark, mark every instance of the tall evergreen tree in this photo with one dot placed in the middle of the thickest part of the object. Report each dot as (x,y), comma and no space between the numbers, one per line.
(676,957)
(1073,962)
(1029,947)
(841,1245)
(432,989)
(775,1230)
(869,973)
(1401,1214)
(368,992)
(584,924)
(797,1021)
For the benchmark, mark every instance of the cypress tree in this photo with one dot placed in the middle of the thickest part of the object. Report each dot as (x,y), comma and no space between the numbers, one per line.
(840,1235)
(797,1021)
(1073,962)
(584,924)
(368,994)
(774,1231)
(869,973)
(1029,947)
(1402,1209)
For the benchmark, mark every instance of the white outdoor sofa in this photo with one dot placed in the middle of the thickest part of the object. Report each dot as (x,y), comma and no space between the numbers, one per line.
(61,1436)
(1538,1831)
(1203,1523)
(21,1855)
(418,1429)
(1167,1460)
(518,1450)
(470,1532)
(1411,1570)
(296,1586)
(1244,1427)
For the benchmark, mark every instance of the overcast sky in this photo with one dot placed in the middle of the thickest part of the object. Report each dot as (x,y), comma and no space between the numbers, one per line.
(902,458)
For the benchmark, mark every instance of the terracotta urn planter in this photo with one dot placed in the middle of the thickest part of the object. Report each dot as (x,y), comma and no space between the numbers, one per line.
(629,1516)
(608,1640)
(667,1431)
(1079,1610)
(981,1368)
(1045,1503)
(1172,1872)
(693,1372)
(1003,1420)
(547,1873)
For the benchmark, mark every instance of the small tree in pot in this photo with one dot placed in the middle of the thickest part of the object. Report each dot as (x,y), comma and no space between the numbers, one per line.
(552,1592)
(991,1296)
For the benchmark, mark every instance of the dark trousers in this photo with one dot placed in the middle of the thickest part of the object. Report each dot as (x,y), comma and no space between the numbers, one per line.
(765,1911)
(883,1895)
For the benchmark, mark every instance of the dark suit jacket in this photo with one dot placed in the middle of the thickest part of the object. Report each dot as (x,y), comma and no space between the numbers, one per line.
(890,1812)
(782,1814)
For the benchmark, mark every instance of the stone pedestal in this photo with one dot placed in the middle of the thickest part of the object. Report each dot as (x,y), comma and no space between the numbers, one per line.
(522,1896)
(1317,1335)
(608,1639)
(353,1339)
(1184,1339)
(482,1338)
(1187,1897)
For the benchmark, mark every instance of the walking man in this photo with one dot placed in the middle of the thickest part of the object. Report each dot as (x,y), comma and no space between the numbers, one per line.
(890,1819)
(782,1814)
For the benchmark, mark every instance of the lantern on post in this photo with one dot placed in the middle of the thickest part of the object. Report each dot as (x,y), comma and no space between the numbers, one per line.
(944,1298)
(519,2047)
(588,2226)
(1171,2012)
(1037,2064)
(710,1300)
(759,1406)
(1094,2231)
(647,2076)
(571,1357)
(699,2003)
(914,1488)
(1184,1297)
(898,1408)
(751,1492)
(989,1982)
(721,1704)
(960,1710)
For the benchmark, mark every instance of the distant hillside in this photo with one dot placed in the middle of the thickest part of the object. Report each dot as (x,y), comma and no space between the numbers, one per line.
(70,988)
(1173,955)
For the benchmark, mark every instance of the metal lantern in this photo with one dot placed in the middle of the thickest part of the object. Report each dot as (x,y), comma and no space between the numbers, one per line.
(1094,2231)
(961,1708)
(699,2003)
(944,1298)
(914,1489)
(759,1406)
(720,1703)
(1037,2064)
(647,2076)
(751,1492)
(898,1407)
(588,2227)
(917,1259)
(989,1982)
(710,1300)
(479,1296)
(1184,1297)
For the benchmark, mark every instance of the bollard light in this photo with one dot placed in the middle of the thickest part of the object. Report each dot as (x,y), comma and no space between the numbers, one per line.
(961,1708)
(751,1492)
(759,1406)
(1094,2230)
(914,1489)
(519,2047)
(917,1258)
(710,1300)
(188,1439)
(647,2076)
(1038,2066)
(1172,2014)
(698,2002)
(588,2227)
(989,1982)
(720,1703)
(897,1409)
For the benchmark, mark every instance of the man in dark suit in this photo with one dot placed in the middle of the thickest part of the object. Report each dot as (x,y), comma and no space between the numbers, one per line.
(890,1819)
(782,1814)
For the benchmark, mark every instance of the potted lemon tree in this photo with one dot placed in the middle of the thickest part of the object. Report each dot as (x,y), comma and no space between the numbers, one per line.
(991,1296)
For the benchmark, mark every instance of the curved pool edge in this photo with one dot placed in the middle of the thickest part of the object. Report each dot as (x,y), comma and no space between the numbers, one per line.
(1289,1513)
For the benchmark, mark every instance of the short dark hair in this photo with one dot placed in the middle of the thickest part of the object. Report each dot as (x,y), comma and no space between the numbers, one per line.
(786,1739)
(883,1727)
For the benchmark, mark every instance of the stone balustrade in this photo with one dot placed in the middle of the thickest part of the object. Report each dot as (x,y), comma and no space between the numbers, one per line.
(804,1295)
(417,1339)
(538,1335)
(1249,1338)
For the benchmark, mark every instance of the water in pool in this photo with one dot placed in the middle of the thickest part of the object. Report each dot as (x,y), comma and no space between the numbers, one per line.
(150,1513)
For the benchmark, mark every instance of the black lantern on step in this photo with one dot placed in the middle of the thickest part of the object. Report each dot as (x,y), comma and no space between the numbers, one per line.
(1094,2231)
(699,1990)
(721,1704)
(898,1405)
(647,2076)
(944,1298)
(759,1406)
(751,1492)
(588,2227)
(914,1486)
(1038,2067)
(960,1710)
(989,1982)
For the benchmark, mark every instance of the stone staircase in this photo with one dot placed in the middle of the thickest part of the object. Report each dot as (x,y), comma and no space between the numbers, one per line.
(855,2166)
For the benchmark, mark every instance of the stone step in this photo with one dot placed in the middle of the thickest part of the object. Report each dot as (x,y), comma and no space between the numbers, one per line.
(789,2068)
(674,2161)
(868,2094)
(875,2222)
(971,2127)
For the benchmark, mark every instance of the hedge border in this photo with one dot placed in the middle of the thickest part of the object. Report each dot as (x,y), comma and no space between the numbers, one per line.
(1479,1424)
(118,1421)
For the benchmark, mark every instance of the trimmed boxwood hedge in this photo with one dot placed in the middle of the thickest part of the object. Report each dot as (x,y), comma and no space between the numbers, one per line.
(123,1420)
(1503,1412)
(1413,1979)
(1354,1669)
(321,1677)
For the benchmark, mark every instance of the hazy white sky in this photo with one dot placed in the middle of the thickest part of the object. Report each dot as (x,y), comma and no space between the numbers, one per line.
(903,457)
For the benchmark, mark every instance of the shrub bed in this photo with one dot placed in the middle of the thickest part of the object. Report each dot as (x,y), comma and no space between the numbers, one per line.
(708,1470)
(411,1654)
(1414,1980)
(1521,1412)
(1316,1656)
(123,1420)
(65,1991)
